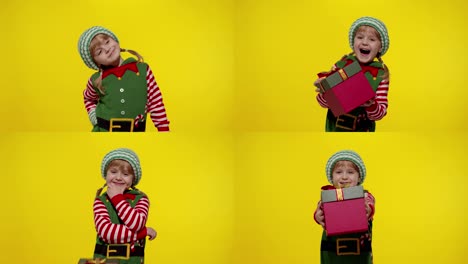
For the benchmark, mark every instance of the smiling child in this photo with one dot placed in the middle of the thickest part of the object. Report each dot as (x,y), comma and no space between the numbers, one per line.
(346,169)
(368,38)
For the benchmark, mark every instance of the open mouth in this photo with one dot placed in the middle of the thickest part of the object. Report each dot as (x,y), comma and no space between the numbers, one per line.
(364,51)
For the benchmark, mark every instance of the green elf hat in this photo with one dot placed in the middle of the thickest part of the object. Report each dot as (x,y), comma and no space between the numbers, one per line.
(347,155)
(377,25)
(85,41)
(122,154)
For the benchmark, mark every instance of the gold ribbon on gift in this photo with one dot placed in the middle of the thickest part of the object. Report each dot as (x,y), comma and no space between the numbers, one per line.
(343,74)
(339,194)
(96,261)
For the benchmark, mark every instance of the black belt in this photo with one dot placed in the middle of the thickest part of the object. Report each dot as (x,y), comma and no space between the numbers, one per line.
(121,125)
(346,246)
(119,251)
(350,122)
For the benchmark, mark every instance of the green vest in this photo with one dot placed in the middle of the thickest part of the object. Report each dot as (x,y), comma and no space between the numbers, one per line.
(124,97)
(365,124)
(116,220)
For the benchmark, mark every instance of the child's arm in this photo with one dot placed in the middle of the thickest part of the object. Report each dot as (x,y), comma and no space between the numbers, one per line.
(370,205)
(376,109)
(133,217)
(319,217)
(90,101)
(155,105)
(111,233)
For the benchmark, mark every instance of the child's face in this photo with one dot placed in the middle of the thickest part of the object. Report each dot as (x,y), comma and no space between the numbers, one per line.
(345,174)
(120,173)
(366,44)
(105,50)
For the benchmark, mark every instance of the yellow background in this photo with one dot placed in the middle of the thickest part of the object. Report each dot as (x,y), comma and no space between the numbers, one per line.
(238,179)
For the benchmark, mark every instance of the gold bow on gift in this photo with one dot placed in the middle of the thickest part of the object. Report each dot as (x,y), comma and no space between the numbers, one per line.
(96,261)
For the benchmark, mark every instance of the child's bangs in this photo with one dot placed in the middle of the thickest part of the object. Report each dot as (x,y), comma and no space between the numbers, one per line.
(369,28)
(342,163)
(122,165)
(98,40)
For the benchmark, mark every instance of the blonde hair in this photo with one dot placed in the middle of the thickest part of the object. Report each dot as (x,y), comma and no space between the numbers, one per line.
(386,73)
(94,44)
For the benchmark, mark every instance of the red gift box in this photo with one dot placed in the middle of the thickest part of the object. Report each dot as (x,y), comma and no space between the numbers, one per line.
(346,89)
(344,211)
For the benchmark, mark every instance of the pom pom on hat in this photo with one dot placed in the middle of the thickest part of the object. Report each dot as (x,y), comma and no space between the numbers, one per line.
(377,25)
(85,41)
(122,154)
(347,155)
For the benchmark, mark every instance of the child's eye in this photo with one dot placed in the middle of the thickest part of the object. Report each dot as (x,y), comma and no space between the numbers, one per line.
(107,41)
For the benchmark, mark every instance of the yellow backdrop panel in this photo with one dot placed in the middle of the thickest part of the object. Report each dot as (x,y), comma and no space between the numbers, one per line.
(188,44)
(282,45)
(51,180)
(417,180)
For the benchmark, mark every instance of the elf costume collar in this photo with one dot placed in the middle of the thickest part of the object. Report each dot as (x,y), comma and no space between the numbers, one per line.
(129,64)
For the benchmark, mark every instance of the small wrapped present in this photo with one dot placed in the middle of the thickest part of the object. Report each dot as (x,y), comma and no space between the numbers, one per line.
(344,210)
(346,89)
(98,261)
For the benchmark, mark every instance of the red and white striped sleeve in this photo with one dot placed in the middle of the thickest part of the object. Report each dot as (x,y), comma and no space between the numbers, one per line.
(370,200)
(379,109)
(133,218)
(109,232)
(155,106)
(91,98)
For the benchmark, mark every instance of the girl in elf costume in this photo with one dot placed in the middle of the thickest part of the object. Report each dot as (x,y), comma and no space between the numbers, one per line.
(122,92)
(346,169)
(120,214)
(369,41)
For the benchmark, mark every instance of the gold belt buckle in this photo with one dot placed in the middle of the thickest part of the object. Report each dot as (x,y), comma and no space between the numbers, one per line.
(109,250)
(339,247)
(339,119)
(112,126)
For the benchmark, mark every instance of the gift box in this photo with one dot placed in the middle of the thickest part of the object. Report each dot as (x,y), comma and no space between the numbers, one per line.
(98,261)
(344,210)
(346,89)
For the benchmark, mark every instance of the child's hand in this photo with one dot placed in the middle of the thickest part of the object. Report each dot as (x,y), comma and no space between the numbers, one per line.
(151,233)
(368,103)
(114,189)
(319,216)
(316,83)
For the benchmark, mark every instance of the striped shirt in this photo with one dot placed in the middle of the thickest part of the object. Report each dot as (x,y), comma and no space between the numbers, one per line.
(154,105)
(133,227)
